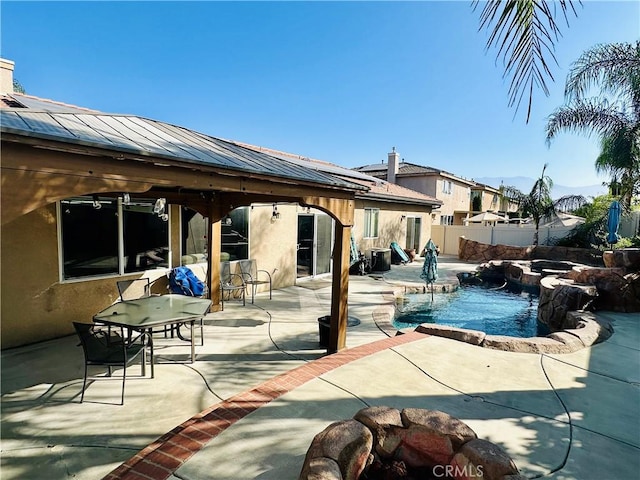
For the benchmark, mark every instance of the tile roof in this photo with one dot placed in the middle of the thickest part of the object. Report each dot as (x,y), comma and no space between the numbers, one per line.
(409,169)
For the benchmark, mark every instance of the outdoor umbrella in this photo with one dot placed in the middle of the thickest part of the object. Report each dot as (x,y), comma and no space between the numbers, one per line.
(430,267)
(353,254)
(613,222)
(487,217)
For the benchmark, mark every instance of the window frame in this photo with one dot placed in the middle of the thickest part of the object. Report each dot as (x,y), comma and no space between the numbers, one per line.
(371,222)
(120,243)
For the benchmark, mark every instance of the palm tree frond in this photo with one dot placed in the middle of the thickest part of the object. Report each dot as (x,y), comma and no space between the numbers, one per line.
(524,33)
(613,67)
(586,116)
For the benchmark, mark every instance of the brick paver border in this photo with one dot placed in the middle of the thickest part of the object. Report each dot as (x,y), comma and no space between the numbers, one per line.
(164,456)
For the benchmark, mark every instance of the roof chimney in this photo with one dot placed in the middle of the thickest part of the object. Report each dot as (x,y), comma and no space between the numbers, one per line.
(6,76)
(392,169)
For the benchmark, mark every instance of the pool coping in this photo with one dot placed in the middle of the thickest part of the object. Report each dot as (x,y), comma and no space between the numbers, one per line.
(587,329)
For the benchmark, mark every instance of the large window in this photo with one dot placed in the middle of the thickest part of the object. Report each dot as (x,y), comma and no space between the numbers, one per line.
(371,222)
(103,236)
(234,244)
(235,234)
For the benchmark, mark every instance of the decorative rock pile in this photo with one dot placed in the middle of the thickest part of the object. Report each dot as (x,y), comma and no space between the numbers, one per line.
(565,285)
(472,251)
(430,442)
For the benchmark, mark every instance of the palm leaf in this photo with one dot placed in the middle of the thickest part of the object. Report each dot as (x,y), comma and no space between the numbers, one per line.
(524,32)
(587,116)
(613,67)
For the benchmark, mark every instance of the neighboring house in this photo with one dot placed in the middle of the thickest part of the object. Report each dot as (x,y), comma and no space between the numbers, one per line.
(90,198)
(454,192)
(385,212)
(461,198)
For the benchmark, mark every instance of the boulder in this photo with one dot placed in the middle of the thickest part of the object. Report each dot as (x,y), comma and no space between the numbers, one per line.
(484,458)
(415,442)
(347,443)
(320,468)
(625,258)
(474,337)
(617,291)
(560,296)
(525,345)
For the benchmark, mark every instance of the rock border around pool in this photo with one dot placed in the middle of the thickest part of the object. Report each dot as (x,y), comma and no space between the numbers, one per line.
(587,330)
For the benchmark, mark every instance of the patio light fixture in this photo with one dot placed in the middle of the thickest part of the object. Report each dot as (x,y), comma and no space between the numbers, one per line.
(159,209)
(275,215)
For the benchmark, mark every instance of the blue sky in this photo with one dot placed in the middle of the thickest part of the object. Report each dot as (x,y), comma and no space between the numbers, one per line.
(338,81)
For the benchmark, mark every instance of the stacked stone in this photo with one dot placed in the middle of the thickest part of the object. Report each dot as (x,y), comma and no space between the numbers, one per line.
(472,251)
(416,437)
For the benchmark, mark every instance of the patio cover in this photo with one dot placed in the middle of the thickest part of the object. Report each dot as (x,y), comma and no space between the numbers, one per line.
(51,155)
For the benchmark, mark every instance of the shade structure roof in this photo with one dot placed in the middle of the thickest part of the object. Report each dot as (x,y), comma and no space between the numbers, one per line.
(142,138)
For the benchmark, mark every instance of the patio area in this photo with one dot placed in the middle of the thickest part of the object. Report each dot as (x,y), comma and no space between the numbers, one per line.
(261,388)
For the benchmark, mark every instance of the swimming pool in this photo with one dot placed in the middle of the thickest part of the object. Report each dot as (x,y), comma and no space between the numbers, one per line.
(495,312)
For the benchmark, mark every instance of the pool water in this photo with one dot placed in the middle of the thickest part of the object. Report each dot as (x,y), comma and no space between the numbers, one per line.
(495,312)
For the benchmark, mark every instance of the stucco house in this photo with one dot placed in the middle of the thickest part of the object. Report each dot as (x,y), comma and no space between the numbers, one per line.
(461,198)
(89,198)
(453,191)
(485,198)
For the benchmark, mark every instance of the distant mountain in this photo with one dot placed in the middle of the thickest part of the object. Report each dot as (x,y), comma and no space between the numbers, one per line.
(524,184)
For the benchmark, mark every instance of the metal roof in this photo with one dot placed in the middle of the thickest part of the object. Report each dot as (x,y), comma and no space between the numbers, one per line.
(133,135)
(42,104)
(377,188)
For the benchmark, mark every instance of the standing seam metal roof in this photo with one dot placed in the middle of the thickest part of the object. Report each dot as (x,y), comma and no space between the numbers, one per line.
(130,134)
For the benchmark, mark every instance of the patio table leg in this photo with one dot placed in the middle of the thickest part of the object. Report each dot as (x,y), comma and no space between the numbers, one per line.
(193,342)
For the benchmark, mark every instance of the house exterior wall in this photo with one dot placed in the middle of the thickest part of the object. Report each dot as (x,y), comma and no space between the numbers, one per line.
(272,243)
(490,201)
(36,306)
(457,201)
(425,184)
(391,226)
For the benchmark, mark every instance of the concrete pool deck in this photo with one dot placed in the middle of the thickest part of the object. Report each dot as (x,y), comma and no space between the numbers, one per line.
(261,389)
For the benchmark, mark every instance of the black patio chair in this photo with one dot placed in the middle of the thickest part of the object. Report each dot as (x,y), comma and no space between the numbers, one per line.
(251,276)
(103,349)
(231,283)
(134,289)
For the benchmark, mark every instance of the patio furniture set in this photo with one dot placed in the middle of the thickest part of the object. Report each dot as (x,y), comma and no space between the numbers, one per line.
(138,315)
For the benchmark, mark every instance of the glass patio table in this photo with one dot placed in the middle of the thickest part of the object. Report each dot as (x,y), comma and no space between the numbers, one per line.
(144,314)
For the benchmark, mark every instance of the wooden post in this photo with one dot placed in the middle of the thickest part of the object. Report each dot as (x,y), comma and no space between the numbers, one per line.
(213,254)
(340,288)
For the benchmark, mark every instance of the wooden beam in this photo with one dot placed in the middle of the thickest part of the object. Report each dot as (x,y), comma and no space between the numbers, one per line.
(34,177)
(341,209)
